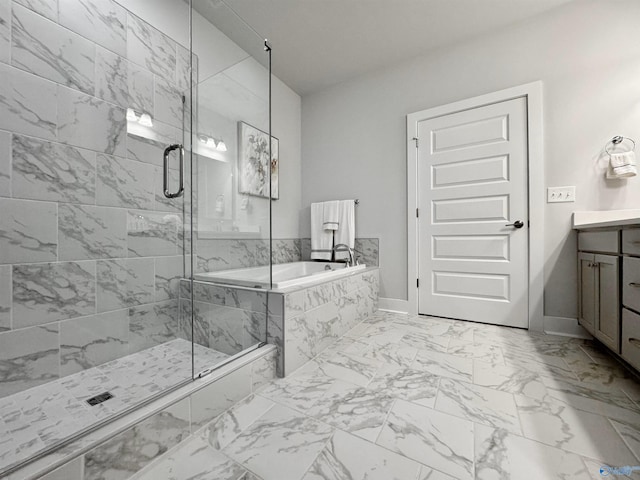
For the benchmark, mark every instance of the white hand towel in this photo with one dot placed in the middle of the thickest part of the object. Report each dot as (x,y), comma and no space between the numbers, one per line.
(330,221)
(321,239)
(346,232)
(622,165)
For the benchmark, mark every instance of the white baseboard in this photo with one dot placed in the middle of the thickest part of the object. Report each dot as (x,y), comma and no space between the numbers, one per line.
(567,327)
(393,305)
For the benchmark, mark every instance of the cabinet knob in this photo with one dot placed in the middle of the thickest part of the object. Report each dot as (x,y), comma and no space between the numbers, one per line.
(634,284)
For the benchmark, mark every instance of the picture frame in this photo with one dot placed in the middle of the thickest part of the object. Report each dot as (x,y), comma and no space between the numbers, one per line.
(254,162)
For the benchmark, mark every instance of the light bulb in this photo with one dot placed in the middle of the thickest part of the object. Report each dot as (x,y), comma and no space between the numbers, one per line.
(131,115)
(211,143)
(145,120)
(222,147)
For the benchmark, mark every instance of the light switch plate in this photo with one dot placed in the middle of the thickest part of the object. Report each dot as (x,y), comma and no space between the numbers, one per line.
(561,194)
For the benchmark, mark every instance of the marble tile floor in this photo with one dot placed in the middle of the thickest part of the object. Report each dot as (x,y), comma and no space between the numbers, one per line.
(35,420)
(401,397)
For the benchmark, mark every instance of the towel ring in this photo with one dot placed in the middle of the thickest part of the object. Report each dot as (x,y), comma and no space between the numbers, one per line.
(617,140)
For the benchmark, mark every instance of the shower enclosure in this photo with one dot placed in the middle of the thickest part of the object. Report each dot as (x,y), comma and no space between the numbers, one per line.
(135,152)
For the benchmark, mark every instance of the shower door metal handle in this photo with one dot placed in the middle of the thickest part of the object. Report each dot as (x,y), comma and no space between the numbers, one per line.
(165,185)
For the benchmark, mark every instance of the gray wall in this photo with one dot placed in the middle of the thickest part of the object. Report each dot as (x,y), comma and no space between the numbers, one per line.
(354,134)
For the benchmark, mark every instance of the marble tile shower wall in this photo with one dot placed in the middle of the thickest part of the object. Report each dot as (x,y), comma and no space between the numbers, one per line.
(90,250)
(224,254)
(226,319)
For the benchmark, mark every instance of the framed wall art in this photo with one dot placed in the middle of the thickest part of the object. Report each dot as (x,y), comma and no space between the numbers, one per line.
(254,162)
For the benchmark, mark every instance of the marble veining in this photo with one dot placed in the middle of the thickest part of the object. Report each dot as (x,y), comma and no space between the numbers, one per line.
(51,171)
(50,51)
(53,291)
(102,21)
(194,459)
(124,283)
(497,452)
(5,31)
(27,231)
(88,232)
(150,48)
(111,77)
(140,88)
(46,8)
(293,437)
(152,324)
(152,233)
(573,430)
(425,414)
(418,432)
(28,358)
(129,451)
(88,122)
(51,408)
(28,103)
(357,410)
(145,149)
(90,341)
(168,102)
(5,164)
(346,456)
(123,183)
(481,404)
(168,272)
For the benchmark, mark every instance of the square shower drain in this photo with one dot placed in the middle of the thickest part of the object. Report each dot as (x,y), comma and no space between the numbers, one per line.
(98,399)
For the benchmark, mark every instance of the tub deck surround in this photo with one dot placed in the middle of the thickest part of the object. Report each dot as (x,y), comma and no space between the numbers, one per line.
(216,254)
(476,402)
(301,321)
(280,276)
(124,446)
(315,315)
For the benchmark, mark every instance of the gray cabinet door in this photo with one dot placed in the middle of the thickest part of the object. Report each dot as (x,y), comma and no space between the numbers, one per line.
(587,294)
(608,301)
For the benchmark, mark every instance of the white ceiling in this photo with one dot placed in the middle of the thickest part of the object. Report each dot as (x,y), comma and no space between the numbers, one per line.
(318,43)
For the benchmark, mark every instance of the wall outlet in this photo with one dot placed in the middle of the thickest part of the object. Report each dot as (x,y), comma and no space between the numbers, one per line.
(561,194)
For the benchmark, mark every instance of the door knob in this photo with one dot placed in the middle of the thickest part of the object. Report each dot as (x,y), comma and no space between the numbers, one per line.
(516,224)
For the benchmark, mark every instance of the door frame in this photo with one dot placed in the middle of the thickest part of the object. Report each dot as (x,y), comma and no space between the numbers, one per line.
(532,92)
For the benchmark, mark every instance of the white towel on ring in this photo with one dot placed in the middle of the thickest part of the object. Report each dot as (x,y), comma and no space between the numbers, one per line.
(622,165)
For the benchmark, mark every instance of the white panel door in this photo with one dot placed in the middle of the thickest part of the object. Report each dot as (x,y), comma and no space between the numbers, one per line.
(472,188)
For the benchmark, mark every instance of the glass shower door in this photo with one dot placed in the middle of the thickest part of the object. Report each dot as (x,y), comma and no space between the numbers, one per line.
(92,251)
(230,167)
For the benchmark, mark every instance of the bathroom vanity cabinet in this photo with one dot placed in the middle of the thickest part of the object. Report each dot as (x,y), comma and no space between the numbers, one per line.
(609,284)
(599,311)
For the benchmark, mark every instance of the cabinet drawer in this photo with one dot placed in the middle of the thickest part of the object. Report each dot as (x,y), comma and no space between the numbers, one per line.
(631,283)
(631,337)
(631,241)
(606,241)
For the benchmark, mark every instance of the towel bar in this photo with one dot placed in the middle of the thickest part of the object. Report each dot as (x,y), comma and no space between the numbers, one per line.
(617,140)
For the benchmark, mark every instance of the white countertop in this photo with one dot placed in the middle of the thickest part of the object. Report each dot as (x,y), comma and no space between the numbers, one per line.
(605,218)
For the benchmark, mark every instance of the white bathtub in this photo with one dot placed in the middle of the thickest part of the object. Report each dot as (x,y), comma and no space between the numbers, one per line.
(284,275)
